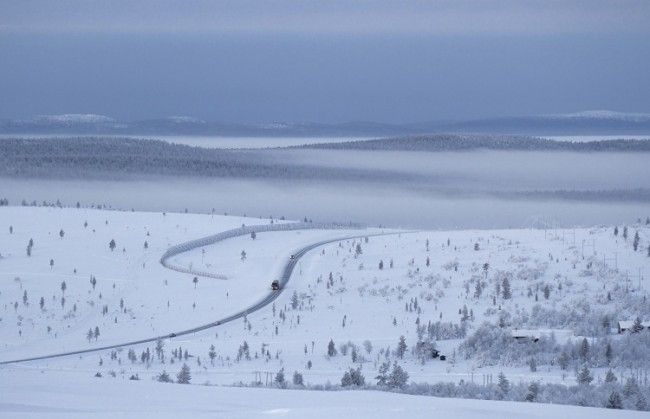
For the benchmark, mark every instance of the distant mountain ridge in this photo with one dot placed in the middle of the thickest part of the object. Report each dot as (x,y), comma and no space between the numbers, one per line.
(579,123)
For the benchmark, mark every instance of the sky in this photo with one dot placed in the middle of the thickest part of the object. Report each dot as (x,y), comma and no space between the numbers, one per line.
(250,61)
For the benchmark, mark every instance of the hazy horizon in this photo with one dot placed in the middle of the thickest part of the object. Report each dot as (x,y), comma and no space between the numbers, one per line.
(247,62)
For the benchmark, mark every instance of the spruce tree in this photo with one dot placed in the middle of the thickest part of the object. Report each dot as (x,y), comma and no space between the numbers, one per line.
(279,379)
(503,384)
(614,401)
(331,348)
(184,376)
(533,391)
(584,376)
(507,293)
(637,326)
(401,347)
(163,377)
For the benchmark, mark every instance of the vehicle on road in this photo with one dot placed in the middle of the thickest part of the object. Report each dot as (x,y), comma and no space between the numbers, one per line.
(172,335)
(292,257)
(275,285)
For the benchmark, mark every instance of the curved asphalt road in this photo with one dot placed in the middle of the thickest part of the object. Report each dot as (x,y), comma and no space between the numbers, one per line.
(284,279)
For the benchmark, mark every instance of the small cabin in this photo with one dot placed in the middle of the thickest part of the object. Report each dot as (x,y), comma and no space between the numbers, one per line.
(522,335)
(626,325)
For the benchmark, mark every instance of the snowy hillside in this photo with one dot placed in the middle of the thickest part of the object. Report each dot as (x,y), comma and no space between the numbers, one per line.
(37,395)
(536,305)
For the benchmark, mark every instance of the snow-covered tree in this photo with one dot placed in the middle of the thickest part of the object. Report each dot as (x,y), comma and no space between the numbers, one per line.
(212,354)
(297,379)
(398,377)
(279,379)
(584,376)
(294,300)
(163,377)
(401,347)
(353,377)
(505,286)
(331,349)
(503,384)
(614,401)
(184,376)
(533,391)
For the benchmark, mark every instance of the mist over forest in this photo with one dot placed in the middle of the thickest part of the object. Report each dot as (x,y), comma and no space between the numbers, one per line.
(448,180)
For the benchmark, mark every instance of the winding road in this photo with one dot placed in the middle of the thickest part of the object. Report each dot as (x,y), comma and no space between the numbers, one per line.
(284,279)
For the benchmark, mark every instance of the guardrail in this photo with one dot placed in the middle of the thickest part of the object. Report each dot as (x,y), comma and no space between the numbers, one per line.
(241,231)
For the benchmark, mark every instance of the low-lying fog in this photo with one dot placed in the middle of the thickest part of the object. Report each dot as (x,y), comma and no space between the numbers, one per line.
(452,190)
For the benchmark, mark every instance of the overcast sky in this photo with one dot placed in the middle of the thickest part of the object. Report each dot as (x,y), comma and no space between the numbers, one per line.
(329,61)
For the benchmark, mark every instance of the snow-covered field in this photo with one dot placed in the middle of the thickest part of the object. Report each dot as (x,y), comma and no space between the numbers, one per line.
(48,395)
(360,294)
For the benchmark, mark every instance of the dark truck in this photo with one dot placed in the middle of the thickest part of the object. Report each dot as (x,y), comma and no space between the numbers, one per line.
(275,285)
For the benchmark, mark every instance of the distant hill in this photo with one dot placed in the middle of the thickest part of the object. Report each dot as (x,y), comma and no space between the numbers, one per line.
(452,142)
(580,123)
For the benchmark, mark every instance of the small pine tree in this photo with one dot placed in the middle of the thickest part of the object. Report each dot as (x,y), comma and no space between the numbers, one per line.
(294,300)
(635,243)
(184,376)
(331,348)
(616,230)
(397,378)
(505,286)
(353,377)
(401,347)
(503,384)
(297,379)
(382,375)
(608,353)
(637,326)
(584,349)
(584,376)
(212,354)
(253,235)
(163,377)
(610,377)
(533,391)
(614,401)
(279,379)
(112,244)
